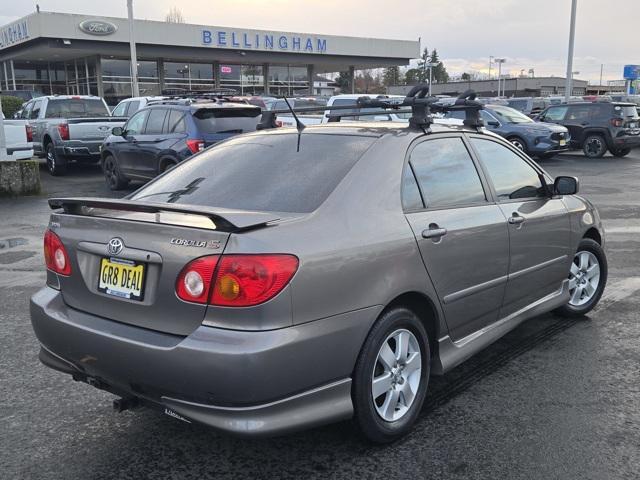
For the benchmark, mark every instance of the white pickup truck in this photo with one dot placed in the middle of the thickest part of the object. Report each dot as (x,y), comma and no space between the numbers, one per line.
(287,120)
(18,137)
(69,128)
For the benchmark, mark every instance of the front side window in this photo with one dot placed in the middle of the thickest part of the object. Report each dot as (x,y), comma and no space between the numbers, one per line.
(579,113)
(446,173)
(26,111)
(120,110)
(135,123)
(133,107)
(512,177)
(555,114)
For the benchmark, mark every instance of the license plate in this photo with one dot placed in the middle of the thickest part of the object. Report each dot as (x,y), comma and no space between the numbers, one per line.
(563,142)
(121,278)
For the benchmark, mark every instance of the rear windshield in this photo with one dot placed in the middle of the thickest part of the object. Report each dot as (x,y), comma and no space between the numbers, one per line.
(625,111)
(76,108)
(219,120)
(263,172)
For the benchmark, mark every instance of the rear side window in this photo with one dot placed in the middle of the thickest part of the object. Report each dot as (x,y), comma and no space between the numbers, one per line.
(35,112)
(156,121)
(176,122)
(446,174)
(512,177)
(76,108)
(262,172)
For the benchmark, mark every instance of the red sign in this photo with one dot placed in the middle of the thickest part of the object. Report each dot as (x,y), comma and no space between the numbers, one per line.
(225,69)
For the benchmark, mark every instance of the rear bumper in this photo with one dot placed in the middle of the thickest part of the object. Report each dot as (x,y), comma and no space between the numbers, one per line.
(76,148)
(242,382)
(627,141)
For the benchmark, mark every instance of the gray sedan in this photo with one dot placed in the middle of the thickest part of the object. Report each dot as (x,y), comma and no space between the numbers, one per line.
(283,280)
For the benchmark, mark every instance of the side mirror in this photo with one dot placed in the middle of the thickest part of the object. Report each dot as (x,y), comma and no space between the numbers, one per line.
(493,123)
(117,131)
(566,185)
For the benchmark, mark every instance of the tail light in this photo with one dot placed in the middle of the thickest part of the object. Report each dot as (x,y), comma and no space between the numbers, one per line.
(195,145)
(55,255)
(617,122)
(63,130)
(29,129)
(194,281)
(240,280)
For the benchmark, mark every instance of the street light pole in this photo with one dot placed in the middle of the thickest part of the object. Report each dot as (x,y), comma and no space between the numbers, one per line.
(3,139)
(568,86)
(500,61)
(490,62)
(134,57)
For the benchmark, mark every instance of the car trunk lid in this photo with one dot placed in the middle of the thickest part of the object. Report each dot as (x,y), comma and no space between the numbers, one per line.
(156,242)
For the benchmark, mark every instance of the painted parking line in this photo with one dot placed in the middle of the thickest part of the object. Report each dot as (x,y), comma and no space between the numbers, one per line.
(615,230)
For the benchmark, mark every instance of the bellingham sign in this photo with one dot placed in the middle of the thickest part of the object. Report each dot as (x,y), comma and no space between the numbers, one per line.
(263,41)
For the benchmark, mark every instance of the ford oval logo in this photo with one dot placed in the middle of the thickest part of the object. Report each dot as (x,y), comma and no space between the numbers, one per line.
(115,246)
(98,27)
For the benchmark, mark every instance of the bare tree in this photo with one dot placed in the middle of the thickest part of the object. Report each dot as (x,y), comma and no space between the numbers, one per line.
(174,16)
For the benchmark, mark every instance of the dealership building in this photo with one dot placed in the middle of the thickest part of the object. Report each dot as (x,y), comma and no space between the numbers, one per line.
(57,53)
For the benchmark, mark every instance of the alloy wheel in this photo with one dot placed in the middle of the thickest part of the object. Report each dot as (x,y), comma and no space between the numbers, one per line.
(396,375)
(518,144)
(51,161)
(584,278)
(594,146)
(110,172)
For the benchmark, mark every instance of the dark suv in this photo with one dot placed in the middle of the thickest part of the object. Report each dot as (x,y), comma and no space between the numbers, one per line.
(160,136)
(596,127)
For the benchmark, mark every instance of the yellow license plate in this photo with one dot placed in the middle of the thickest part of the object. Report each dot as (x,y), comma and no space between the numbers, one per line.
(121,278)
(563,142)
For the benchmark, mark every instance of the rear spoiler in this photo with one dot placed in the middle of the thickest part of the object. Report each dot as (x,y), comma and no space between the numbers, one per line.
(224,219)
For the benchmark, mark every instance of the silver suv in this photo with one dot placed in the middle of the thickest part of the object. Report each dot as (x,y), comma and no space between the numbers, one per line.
(285,279)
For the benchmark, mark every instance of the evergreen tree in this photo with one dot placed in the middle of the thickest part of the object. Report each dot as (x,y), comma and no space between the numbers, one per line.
(392,76)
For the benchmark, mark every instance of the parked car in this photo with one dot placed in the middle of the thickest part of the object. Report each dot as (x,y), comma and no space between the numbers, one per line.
(129,106)
(530,106)
(285,279)
(542,140)
(596,127)
(165,133)
(68,128)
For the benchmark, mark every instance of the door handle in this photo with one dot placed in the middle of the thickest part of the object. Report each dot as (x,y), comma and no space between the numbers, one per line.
(584,123)
(434,232)
(515,219)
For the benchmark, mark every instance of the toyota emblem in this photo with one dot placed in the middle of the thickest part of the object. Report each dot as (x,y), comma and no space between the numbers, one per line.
(115,246)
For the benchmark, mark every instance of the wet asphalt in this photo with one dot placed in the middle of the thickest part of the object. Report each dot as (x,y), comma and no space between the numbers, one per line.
(553,399)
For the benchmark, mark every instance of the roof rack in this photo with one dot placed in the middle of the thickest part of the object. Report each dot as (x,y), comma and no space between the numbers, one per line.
(420,106)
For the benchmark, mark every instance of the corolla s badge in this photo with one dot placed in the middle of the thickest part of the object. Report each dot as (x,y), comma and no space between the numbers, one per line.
(115,246)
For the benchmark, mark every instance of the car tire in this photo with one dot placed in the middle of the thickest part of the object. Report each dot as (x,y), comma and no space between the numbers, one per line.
(620,152)
(594,146)
(168,165)
(585,286)
(519,143)
(56,164)
(112,175)
(400,379)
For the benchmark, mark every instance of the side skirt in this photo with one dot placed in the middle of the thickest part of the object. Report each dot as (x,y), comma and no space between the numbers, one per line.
(453,353)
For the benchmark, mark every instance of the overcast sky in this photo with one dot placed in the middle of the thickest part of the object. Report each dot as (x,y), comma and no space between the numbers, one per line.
(529,33)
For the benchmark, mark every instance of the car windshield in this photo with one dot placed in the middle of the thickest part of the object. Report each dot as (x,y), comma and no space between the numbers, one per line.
(262,172)
(510,115)
(76,108)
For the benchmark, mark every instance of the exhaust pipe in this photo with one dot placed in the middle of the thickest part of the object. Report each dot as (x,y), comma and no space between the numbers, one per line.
(125,403)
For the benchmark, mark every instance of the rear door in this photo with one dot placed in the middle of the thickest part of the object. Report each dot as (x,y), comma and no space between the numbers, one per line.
(539,226)
(461,233)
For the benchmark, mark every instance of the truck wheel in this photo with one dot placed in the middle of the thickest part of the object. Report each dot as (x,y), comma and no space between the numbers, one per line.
(594,146)
(587,279)
(112,175)
(56,164)
(391,376)
(620,152)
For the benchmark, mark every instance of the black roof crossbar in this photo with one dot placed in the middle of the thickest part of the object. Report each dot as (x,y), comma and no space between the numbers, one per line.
(421,107)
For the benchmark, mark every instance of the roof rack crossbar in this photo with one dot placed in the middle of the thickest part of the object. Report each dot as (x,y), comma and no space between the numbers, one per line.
(421,106)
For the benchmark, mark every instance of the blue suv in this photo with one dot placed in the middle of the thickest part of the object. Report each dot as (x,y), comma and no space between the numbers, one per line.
(165,133)
(542,140)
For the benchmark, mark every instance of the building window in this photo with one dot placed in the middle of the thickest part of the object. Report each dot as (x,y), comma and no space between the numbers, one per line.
(246,79)
(180,76)
(117,79)
(288,79)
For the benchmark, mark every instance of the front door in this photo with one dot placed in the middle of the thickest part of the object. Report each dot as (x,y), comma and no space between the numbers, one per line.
(462,235)
(128,151)
(539,225)
(150,143)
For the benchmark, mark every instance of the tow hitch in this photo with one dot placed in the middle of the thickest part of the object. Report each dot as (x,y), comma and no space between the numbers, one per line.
(125,403)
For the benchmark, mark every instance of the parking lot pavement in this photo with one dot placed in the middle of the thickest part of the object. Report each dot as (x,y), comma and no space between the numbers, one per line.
(556,398)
